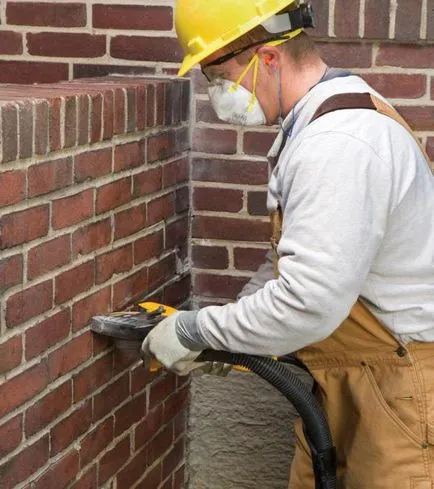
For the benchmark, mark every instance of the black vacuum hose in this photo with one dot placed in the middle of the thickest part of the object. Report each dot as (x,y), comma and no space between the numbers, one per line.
(316,427)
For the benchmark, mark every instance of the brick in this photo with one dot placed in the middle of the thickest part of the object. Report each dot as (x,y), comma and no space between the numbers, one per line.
(176,402)
(25,123)
(377,19)
(113,195)
(71,428)
(160,208)
(87,481)
(430,21)
(25,463)
(83,119)
(11,272)
(47,333)
(129,155)
(66,44)
(142,48)
(147,429)
(161,271)
(346,55)
(173,459)
(397,85)
(70,122)
(140,378)
(230,171)
(96,441)
(182,199)
(147,182)
(29,303)
(50,176)
(177,233)
(69,356)
(182,136)
(257,203)
(113,395)
(28,72)
(41,127)
(161,390)
(96,118)
(419,118)
(160,94)
(258,143)
(93,377)
(92,237)
(46,14)
(11,42)
(179,478)
(206,113)
(160,444)
(130,288)
(114,262)
(217,199)
(61,474)
(74,281)
(148,247)
(12,187)
(108,115)
(133,471)
(23,387)
(215,141)
(9,120)
(131,109)
(405,55)
(54,123)
(48,256)
(249,258)
(113,459)
(152,479)
(93,164)
(132,17)
(141,108)
(430,148)
(85,309)
(150,106)
(119,111)
(11,352)
(347,18)
(130,414)
(176,172)
(224,286)
(47,409)
(178,292)
(215,257)
(205,227)
(73,209)
(23,226)
(161,146)
(408,17)
(130,221)
(11,434)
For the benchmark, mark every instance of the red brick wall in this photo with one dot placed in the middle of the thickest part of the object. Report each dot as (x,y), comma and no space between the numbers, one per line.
(93,216)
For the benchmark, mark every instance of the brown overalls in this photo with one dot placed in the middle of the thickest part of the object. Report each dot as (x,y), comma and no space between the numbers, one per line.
(378,395)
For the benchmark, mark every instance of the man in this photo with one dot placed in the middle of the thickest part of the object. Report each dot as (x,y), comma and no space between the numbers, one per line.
(352,200)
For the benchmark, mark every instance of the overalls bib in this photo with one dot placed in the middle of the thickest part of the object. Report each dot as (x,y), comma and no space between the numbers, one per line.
(378,395)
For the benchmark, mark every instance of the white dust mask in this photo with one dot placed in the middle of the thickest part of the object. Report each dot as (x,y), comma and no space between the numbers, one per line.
(235,104)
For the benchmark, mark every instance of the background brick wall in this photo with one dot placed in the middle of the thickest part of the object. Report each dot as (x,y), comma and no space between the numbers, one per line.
(93,216)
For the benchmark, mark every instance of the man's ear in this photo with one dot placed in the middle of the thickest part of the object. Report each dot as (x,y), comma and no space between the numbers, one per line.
(270,56)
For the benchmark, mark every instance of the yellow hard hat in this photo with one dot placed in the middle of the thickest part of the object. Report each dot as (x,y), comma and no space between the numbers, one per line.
(205,26)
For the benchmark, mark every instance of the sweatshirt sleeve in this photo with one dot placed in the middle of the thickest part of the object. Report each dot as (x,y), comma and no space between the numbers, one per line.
(336,199)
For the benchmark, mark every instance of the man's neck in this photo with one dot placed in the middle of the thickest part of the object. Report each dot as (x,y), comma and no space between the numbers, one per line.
(297,80)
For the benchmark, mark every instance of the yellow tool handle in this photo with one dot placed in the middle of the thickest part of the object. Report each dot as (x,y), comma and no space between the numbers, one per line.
(154,365)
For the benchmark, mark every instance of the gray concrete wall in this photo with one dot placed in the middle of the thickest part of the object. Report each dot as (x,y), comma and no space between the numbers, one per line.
(241,434)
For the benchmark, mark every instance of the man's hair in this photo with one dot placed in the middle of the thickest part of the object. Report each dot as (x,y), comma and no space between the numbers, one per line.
(297,49)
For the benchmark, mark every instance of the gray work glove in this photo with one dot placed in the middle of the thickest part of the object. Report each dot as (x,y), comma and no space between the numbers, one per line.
(164,343)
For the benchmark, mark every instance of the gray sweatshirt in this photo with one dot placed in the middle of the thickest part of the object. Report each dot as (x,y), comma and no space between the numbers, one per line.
(358,221)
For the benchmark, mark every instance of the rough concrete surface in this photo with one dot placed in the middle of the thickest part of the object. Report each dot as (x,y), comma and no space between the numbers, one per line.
(241,434)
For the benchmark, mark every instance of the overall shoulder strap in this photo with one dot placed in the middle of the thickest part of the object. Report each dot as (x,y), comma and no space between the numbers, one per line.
(344,101)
